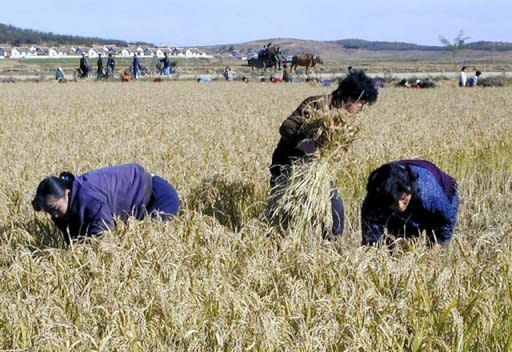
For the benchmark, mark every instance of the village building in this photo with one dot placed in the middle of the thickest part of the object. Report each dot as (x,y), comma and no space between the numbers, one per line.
(35,51)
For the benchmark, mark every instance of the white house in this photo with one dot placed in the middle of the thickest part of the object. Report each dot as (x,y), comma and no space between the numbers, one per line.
(92,52)
(191,53)
(79,51)
(125,52)
(160,52)
(103,50)
(110,49)
(54,51)
(18,53)
(33,49)
(15,53)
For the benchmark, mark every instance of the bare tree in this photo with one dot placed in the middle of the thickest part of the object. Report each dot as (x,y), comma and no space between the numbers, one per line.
(455,46)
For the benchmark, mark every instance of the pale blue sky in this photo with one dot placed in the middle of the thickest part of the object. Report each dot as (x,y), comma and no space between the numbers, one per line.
(205,22)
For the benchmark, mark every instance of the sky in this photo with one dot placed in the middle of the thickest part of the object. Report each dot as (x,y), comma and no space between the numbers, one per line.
(207,22)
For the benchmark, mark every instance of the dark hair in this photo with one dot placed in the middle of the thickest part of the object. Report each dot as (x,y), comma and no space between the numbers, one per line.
(463,68)
(478,73)
(387,183)
(54,187)
(356,86)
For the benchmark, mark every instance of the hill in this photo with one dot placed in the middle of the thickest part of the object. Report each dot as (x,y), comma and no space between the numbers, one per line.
(296,45)
(357,50)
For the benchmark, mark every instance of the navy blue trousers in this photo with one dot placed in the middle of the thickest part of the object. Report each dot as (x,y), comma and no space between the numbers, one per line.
(338,213)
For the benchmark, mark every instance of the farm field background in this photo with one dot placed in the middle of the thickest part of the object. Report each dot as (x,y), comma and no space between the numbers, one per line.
(213,280)
(384,63)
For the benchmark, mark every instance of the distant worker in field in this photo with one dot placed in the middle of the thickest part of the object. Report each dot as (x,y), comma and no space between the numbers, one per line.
(473,80)
(99,71)
(353,93)
(111,65)
(228,74)
(59,74)
(462,76)
(136,66)
(88,205)
(166,65)
(407,197)
(423,83)
(287,77)
(84,66)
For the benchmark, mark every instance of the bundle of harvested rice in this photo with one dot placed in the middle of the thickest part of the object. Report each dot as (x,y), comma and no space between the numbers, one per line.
(301,202)
(333,131)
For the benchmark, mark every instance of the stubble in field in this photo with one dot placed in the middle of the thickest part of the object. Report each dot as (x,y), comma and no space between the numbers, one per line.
(212,280)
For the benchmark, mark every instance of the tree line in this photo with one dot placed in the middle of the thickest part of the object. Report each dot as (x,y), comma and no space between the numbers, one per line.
(17,37)
(381,45)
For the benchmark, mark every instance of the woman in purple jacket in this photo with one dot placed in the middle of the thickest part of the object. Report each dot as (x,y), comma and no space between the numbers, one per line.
(407,197)
(88,205)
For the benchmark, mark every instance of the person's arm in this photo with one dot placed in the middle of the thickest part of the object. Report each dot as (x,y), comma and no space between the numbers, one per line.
(101,219)
(65,229)
(290,129)
(372,227)
(444,218)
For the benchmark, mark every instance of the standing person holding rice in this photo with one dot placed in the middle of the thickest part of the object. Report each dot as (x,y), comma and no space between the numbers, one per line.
(296,147)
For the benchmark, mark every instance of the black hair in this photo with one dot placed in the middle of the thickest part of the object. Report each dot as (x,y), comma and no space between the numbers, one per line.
(463,68)
(387,183)
(478,73)
(356,86)
(52,187)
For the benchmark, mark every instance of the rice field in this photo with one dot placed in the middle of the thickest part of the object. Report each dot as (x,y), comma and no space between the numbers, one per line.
(219,278)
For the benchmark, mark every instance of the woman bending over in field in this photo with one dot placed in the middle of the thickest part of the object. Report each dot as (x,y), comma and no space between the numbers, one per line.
(408,197)
(87,205)
(353,93)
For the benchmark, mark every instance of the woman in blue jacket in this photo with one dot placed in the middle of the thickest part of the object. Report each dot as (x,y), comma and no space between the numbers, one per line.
(408,197)
(87,205)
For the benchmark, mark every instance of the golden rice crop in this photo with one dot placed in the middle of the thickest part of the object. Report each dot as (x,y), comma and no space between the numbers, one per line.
(213,280)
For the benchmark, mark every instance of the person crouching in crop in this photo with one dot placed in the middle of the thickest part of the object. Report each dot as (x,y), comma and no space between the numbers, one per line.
(87,205)
(407,197)
(353,93)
